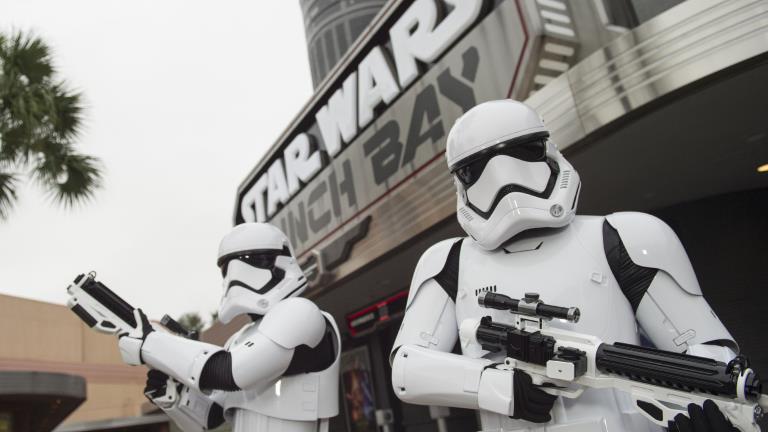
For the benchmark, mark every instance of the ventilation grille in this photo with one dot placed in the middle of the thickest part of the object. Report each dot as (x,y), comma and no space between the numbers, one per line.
(491,288)
(565,179)
(464,212)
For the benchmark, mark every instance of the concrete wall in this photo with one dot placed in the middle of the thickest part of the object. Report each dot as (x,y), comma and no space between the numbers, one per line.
(38,336)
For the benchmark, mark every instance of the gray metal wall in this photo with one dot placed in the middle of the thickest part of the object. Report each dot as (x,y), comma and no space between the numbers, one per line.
(330,27)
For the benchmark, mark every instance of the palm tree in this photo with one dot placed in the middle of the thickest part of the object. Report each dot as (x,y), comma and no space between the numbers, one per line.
(192,321)
(39,122)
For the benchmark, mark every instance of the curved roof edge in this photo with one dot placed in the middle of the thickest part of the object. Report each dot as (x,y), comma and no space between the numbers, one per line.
(685,44)
(115,424)
(30,383)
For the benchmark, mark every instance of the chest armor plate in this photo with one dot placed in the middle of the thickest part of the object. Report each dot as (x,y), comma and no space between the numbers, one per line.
(566,267)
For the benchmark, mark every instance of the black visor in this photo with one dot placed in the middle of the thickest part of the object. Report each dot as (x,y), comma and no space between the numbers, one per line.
(261,258)
(530,148)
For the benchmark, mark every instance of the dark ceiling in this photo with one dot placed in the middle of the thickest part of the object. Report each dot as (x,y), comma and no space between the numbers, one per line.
(703,141)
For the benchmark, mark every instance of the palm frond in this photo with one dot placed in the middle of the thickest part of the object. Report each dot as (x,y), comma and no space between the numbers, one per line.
(40,118)
(49,160)
(7,193)
(29,56)
(77,180)
(67,112)
(32,108)
(14,144)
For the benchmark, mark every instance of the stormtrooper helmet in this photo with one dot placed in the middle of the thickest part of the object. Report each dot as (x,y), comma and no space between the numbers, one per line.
(509,177)
(259,270)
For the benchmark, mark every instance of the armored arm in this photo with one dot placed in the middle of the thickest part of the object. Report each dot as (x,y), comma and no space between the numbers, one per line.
(430,317)
(422,364)
(655,274)
(254,363)
(425,372)
(420,356)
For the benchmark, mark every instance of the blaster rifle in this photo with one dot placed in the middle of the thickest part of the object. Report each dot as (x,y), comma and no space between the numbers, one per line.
(661,383)
(106,312)
(99,307)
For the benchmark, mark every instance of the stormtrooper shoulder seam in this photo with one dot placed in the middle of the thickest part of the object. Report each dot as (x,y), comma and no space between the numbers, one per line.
(651,243)
(441,263)
(653,270)
(637,245)
(292,322)
(320,357)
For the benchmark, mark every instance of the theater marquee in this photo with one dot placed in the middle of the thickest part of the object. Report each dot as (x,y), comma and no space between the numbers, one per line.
(367,151)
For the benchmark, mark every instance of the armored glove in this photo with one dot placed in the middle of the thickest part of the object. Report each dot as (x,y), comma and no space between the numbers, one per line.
(531,403)
(130,343)
(514,394)
(161,389)
(708,419)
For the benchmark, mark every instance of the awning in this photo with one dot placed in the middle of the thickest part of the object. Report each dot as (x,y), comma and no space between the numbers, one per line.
(39,401)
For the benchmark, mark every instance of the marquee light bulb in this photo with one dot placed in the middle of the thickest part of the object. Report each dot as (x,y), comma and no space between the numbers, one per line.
(763,168)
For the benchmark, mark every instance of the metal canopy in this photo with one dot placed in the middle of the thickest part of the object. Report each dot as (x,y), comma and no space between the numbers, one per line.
(39,401)
(120,424)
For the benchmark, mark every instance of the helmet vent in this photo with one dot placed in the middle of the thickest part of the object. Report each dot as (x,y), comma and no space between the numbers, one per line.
(464,212)
(565,179)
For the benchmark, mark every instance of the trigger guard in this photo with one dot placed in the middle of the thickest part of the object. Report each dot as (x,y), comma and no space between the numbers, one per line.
(169,398)
(667,413)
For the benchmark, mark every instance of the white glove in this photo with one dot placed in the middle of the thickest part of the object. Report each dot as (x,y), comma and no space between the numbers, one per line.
(130,343)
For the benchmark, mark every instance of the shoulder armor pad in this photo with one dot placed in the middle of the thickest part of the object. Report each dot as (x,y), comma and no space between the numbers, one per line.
(430,264)
(292,322)
(651,243)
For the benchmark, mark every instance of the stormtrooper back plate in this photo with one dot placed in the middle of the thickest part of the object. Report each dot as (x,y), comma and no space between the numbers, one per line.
(566,267)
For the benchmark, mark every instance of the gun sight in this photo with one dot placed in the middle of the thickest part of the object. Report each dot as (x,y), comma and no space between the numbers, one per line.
(530,305)
(176,327)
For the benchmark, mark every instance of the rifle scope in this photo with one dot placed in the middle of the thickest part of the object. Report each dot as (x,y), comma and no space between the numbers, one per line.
(529,305)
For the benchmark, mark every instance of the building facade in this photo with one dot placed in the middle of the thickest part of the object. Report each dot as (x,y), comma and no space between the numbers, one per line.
(659,105)
(55,372)
(331,26)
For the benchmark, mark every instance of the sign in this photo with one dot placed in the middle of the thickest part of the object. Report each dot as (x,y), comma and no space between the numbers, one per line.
(367,319)
(386,122)
(415,38)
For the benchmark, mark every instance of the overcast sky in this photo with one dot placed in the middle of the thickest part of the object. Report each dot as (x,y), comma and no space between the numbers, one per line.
(183,98)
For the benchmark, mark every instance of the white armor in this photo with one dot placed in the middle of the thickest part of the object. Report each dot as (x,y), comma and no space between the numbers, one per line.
(187,407)
(253,284)
(278,373)
(519,188)
(582,262)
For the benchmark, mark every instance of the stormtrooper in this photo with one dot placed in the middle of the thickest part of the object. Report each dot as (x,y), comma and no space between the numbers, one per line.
(278,373)
(627,272)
